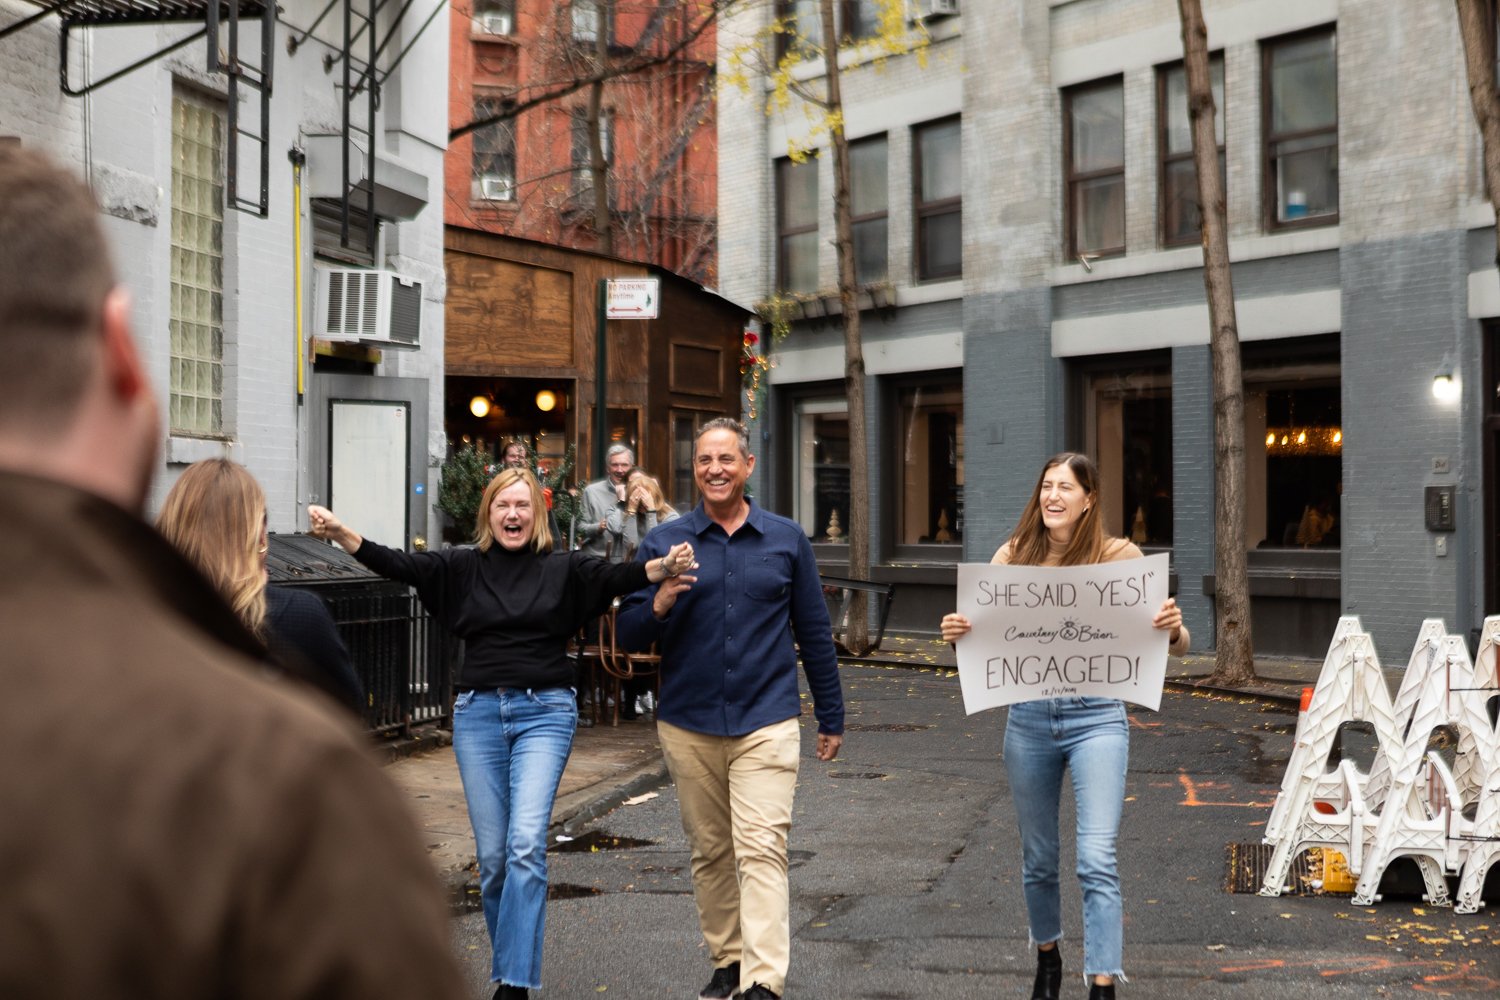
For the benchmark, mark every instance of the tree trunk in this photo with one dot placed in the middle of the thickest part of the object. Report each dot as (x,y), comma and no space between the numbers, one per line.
(1476,28)
(857,631)
(1234,662)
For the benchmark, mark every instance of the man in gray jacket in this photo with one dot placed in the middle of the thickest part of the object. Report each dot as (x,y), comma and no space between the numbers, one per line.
(599,498)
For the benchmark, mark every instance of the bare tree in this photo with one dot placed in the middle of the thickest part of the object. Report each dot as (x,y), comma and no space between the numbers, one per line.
(857,628)
(1476,28)
(1234,661)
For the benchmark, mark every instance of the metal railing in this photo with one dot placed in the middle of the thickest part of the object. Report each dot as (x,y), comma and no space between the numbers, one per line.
(405,660)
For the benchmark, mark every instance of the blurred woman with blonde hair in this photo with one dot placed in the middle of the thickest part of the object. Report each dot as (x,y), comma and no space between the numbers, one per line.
(215,514)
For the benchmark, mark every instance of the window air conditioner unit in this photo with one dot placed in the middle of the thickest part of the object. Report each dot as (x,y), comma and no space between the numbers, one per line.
(935,8)
(380,307)
(495,23)
(493,187)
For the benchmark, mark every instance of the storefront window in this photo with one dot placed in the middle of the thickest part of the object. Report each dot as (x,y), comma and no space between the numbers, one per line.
(820,474)
(1130,430)
(930,507)
(1294,442)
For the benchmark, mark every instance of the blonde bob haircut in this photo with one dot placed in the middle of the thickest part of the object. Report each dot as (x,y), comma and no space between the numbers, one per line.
(214,515)
(1028,543)
(541,535)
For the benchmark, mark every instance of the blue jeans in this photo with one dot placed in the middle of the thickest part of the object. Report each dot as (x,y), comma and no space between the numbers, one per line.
(511,746)
(1090,738)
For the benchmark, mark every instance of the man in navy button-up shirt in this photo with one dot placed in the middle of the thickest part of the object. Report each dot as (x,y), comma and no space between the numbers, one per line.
(729,713)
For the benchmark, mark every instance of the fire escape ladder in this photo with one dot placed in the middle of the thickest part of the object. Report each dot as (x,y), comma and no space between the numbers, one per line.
(353,130)
(256,79)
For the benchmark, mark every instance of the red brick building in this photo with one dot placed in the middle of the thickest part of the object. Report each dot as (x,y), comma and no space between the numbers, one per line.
(529,177)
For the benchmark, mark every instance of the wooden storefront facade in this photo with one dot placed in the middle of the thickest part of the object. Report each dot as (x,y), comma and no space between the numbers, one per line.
(521,324)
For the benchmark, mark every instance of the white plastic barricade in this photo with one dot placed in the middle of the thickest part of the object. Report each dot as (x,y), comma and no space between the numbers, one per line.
(1326,784)
(1423,815)
(1351,688)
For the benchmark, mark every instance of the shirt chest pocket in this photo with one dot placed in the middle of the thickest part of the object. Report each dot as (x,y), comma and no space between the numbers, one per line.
(768,577)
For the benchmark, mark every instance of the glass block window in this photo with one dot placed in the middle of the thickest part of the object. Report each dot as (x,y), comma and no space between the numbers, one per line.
(197,267)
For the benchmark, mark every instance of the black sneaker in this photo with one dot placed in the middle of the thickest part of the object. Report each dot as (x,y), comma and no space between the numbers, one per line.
(757,992)
(724,984)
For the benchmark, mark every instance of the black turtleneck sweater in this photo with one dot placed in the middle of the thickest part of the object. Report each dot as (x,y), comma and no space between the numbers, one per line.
(515,611)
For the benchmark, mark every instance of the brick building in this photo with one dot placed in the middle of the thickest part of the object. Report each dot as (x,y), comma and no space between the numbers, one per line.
(528,177)
(1070,312)
(230,263)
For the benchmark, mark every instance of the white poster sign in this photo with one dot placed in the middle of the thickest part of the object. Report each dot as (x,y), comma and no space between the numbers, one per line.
(1062,632)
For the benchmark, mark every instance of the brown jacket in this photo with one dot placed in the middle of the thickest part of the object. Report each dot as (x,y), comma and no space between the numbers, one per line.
(177,822)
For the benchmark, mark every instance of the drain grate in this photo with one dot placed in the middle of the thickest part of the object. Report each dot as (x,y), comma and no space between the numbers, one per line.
(1245,869)
(855,774)
(886,727)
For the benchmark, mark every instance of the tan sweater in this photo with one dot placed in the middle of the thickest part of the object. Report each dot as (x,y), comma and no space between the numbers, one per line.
(1116,550)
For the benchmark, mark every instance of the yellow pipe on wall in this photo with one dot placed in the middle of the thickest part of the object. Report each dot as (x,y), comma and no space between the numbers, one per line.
(297,271)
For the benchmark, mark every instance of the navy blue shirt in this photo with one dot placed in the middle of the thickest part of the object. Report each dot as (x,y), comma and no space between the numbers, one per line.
(728,665)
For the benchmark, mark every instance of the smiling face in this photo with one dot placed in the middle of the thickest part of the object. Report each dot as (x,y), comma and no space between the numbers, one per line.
(720,468)
(1063,502)
(510,516)
(619,465)
(515,456)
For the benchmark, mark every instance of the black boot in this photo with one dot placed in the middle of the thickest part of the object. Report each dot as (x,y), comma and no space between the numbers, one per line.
(1048,974)
(1097,992)
(504,991)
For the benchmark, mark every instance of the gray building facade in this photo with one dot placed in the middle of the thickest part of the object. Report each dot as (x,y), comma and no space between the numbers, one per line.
(1364,271)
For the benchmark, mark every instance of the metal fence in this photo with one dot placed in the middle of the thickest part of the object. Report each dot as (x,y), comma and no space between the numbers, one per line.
(405,660)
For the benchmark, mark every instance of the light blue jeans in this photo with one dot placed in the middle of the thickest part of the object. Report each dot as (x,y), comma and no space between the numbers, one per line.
(511,746)
(1090,738)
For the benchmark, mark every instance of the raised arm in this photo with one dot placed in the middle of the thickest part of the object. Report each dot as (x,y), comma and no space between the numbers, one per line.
(323,524)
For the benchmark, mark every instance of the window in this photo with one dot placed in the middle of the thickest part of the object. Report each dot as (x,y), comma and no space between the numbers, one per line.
(868,199)
(1294,443)
(586,16)
(1300,114)
(929,459)
(938,180)
(494,173)
(583,174)
(820,469)
(494,17)
(797,225)
(196,321)
(1094,152)
(685,424)
(1180,218)
(1129,433)
(856,20)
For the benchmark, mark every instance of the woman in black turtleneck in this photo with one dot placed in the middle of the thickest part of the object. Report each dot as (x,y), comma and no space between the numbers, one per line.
(515,605)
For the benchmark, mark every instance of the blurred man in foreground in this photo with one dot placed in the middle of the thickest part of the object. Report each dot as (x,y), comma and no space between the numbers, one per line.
(178,824)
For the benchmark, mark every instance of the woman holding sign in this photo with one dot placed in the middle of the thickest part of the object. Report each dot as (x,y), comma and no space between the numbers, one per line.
(1061,526)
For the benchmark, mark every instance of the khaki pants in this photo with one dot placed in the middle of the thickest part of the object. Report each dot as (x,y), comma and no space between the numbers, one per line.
(735,793)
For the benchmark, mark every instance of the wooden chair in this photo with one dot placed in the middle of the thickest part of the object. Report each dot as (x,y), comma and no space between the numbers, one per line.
(622,666)
(591,672)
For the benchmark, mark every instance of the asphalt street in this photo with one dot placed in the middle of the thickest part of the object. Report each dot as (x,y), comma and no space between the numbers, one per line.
(906,884)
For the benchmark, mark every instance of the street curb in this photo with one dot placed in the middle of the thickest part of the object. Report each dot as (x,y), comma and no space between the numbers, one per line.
(1189,685)
(572,811)
(422,739)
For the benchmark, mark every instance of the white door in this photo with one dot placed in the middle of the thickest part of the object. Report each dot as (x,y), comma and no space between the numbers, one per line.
(367,468)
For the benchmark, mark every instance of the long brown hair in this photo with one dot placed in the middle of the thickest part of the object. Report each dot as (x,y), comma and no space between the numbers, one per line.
(214,514)
(541,535)
(1029,542)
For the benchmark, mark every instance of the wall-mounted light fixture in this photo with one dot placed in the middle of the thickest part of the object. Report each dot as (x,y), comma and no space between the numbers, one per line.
(546,399)
(1444,387)
(480,406)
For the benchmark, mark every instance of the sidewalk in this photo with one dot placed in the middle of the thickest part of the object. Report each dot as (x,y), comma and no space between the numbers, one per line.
(610,764)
